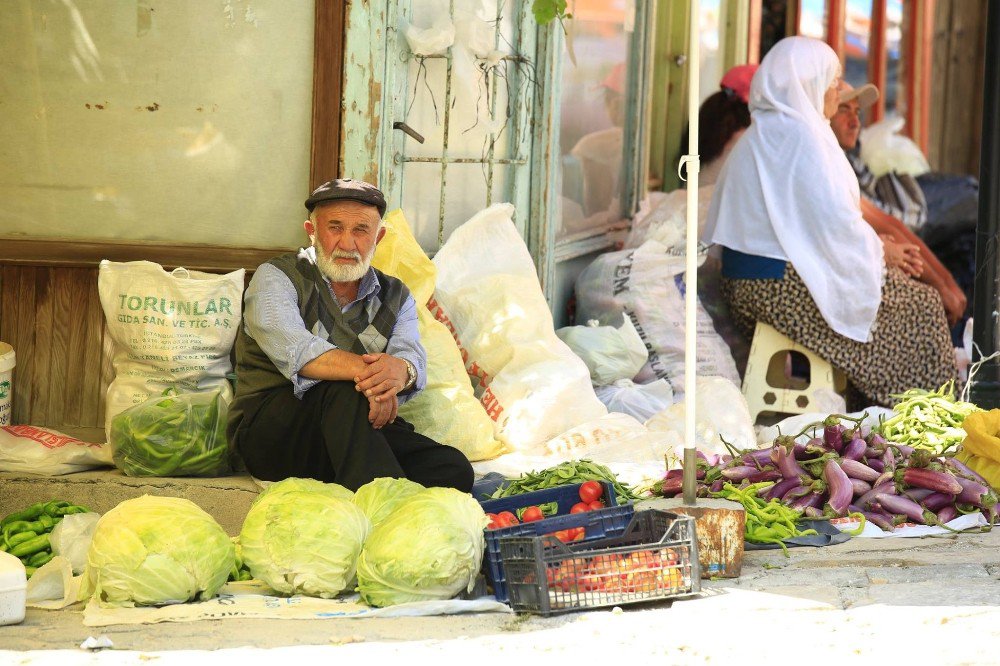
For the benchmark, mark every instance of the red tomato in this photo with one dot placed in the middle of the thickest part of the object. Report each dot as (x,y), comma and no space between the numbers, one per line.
(596,504)
(577,533)
(494,521)
(591,491)
(506,519)
(580,507)
(531,514)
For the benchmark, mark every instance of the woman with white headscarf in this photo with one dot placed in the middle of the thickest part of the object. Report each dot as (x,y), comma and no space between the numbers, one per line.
(798,255)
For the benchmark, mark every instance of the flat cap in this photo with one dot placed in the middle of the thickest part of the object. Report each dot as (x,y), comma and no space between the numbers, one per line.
(347,189)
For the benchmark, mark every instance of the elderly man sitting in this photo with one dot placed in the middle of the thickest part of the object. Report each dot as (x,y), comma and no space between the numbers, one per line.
(328,349)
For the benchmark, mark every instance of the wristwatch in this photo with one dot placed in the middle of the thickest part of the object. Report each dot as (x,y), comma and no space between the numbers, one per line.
(411,376)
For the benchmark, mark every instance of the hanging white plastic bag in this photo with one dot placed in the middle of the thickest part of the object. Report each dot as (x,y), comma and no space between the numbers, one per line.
(884,149)
(637,400)
(33,450)
(72,536)
(531,384)
(610,353)
(720,412)
(171,330)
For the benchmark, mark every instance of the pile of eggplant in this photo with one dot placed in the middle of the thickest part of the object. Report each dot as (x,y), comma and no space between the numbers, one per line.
(850,469)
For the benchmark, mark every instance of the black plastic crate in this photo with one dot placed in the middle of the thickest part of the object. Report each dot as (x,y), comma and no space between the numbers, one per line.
(655,557)
(597,524)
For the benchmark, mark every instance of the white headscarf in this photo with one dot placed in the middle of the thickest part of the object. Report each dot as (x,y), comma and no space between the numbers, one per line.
(788,192)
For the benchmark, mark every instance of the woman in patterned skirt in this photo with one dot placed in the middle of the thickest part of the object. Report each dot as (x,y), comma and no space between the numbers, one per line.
(797,253)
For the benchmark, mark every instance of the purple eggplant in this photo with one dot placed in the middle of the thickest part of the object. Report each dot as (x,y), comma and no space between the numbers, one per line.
(904,450)
(877,442)
(860,487)
(811,499)
(833,434)
(855,449)
(936,500)
(738,472)
(717,485)
(858,470)
(786,463)
(876,464)
(769,474)
(841,490)
(757,457)
(965,470)
(884,477)
(974,493)
(918,494)
(888,459)
(780,488)
(882,520)
(947,514)
(795,492)
(813,512)
(920,477)
(865,500)
(903,505)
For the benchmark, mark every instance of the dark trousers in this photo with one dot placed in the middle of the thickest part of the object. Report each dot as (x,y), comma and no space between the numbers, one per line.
(326,436)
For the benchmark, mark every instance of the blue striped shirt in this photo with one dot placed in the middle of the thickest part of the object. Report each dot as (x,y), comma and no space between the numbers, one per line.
(271,317)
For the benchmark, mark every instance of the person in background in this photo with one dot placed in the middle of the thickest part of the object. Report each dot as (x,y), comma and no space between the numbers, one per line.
(722,119)
(797,253)
(328,349)
(892,205)
(600,152)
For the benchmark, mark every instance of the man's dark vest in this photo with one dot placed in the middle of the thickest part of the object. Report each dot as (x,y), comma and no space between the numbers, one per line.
(365,329)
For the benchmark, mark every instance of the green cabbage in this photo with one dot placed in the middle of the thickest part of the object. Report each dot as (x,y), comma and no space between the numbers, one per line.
(311,485)
(303,542)
(430,547)
(156,550)
(380,497)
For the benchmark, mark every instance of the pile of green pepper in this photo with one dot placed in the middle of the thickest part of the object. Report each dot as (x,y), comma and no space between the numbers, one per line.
(567,473)
(26,533)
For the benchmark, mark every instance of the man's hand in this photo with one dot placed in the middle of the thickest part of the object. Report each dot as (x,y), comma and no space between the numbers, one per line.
(383,376)
(905,256)
(382,410)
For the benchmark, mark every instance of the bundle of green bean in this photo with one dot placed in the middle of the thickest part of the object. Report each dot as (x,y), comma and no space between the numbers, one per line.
(929,420)
(767,521)
(574,471)
(26,532)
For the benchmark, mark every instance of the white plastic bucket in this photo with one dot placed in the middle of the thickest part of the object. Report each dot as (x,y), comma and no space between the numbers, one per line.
(6,382)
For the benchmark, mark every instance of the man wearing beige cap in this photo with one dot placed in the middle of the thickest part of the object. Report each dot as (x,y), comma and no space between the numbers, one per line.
(893,204)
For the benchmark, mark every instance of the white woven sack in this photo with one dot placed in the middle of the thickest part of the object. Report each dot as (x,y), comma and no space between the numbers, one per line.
(170,329)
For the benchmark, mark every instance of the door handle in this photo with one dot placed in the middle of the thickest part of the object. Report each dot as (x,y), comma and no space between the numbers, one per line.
(408,131)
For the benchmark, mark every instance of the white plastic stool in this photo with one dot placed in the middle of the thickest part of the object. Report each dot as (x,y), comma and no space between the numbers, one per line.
(768,388)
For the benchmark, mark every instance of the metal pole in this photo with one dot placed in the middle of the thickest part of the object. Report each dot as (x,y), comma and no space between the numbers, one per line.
(985,388)
(689,481)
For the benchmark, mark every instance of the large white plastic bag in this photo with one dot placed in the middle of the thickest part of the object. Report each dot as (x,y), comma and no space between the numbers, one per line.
(171,330)
(884,149)
(446,410)
(647,284)
(638,400)
(531,384)
(34,450)
(720,412)
(610,353)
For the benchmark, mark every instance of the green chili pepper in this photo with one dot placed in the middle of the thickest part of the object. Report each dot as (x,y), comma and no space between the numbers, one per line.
(31,546)
(39,558)
(30,513)
(19,538)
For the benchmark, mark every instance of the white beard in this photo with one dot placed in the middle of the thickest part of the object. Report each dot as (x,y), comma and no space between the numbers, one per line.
(342,272)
